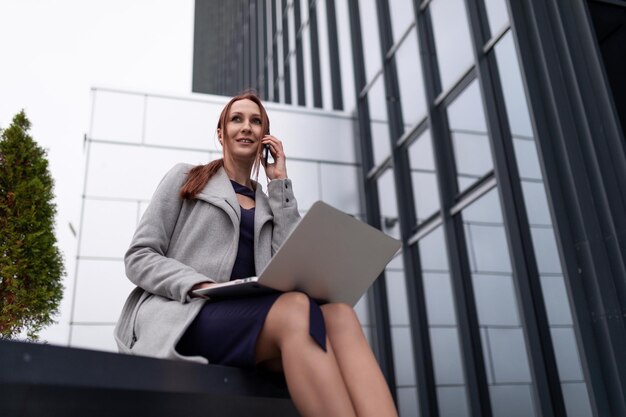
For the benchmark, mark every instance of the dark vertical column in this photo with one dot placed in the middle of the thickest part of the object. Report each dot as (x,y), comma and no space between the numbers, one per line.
(264,33)
(378,294)
(583,158)
(254,46)
(286,61)
(460,274)
(333,48)
(275,76)
(299,53)
(546,382)
(315,56)
(244,63)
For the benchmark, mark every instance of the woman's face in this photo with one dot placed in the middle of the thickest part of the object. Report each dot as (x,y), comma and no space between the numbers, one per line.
(243,130)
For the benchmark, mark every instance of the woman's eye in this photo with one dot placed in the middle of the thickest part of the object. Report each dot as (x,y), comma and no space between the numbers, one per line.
(235,119)
(257,121)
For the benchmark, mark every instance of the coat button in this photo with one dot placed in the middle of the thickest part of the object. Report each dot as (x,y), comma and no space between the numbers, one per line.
(287,200)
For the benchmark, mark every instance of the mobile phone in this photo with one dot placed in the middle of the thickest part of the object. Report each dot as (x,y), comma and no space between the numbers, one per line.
(266,152)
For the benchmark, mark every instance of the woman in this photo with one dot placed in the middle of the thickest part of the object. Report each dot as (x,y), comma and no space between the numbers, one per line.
(212,223)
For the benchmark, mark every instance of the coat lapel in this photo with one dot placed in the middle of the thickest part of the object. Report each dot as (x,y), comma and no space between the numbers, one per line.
(219,192)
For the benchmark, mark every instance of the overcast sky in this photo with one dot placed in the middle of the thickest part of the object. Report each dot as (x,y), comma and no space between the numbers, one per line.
(52,52)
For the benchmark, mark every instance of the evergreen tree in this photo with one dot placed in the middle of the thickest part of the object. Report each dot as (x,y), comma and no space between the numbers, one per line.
(31,267)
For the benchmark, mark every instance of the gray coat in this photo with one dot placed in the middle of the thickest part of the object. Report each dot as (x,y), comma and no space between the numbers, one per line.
(179,243)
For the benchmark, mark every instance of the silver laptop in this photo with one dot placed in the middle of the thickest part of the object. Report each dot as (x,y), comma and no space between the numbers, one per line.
(330,255)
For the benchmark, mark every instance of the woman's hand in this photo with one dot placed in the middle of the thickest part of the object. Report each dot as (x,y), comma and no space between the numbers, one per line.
(198,287)
(278,169)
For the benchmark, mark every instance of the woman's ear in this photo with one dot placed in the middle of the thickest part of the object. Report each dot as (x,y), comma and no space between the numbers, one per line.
(219,136)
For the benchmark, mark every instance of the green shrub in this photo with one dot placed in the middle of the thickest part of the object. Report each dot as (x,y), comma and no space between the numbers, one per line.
(31,266)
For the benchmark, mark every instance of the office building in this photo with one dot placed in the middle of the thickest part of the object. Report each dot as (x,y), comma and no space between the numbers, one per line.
(490,141)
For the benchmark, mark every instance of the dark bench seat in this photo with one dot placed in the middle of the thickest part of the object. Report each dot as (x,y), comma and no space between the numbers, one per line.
(43,380)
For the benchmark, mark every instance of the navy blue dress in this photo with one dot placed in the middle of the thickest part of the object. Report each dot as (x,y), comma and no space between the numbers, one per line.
(225,331)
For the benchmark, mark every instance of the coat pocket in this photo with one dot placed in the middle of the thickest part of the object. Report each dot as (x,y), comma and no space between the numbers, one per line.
(142,300)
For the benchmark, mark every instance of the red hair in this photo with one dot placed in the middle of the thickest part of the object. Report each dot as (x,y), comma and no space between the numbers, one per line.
(199,175)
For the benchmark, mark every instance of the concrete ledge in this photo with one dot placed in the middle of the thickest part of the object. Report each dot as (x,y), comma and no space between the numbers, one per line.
(42,380)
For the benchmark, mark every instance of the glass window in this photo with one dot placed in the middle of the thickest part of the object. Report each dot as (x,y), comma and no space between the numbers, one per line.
(452,401)
(403,356)
(468,131)
(407,402)
(544,242)
(423,176)
(452,40)
(446,356)
(439,300)
(497,15)
(370,37)
(410,81)
(511,401)
(503,339)
(378,121)
(388,204)
(441,316)
(402,15)
(397,298)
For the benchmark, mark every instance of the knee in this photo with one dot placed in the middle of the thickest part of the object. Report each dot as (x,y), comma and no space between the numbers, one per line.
(340,317)
(291,311)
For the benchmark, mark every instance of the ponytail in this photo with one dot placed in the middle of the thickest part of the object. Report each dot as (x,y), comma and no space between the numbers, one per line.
(198,178)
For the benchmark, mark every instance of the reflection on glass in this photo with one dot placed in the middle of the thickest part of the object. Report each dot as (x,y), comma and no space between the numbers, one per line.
(544,243)
(371,39)
(504,347)
(407,402)
(403,356)
(378,121)
(410,81)
(402,16)
(444,337)
(423,176)
(497,15)
(468,130)
(388,204)
(452,40)
(397,298)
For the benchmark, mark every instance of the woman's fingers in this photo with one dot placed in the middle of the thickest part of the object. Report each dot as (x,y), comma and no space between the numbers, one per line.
(277,169)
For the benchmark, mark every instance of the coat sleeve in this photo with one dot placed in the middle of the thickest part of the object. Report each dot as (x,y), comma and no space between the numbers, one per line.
(147,265)
(284,209)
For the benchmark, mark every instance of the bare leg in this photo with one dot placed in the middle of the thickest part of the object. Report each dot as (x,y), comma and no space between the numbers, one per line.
(363,378)
(313,376)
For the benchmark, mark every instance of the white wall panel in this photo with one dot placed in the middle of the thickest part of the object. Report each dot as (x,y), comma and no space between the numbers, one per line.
(107,228)
(117,117)
(101,291)
(133,172)
(187,124)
